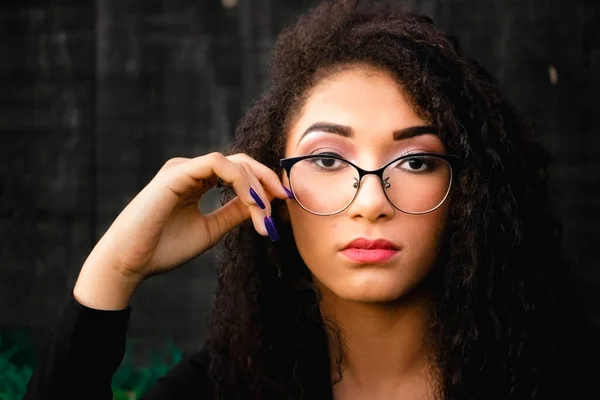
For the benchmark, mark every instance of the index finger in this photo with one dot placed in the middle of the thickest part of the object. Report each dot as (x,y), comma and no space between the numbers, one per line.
(267,177)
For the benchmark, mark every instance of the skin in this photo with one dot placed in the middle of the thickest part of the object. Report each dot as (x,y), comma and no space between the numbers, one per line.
(380,308)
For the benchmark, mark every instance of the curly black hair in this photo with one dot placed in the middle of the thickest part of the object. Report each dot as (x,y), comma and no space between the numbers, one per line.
(494,321)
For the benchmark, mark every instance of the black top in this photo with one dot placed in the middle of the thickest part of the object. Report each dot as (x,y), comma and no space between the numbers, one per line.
(86,348)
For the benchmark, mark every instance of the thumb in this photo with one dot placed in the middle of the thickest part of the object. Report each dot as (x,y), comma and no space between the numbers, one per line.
(226,218)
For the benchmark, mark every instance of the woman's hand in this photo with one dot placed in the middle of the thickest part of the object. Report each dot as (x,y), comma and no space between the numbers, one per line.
(163,228)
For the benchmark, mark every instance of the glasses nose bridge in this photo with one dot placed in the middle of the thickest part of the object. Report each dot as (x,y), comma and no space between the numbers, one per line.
(377,172)
(376,198)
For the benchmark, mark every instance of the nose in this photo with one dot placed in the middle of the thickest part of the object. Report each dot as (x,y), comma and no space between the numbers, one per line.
(370,201)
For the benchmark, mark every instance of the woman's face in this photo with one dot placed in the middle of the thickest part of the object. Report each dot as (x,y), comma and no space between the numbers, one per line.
(364,108)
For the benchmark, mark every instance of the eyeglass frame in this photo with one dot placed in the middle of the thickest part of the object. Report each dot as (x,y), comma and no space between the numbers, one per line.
(453,161)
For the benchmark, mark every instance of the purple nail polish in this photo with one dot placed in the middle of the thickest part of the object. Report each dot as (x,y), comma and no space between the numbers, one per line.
(257,199)
(270,225)
(289,192)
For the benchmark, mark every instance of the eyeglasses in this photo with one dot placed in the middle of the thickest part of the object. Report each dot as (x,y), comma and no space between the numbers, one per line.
(326,184)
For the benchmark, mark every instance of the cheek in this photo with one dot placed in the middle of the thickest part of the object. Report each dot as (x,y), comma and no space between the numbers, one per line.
(424,235)
(311,232)
(307,227)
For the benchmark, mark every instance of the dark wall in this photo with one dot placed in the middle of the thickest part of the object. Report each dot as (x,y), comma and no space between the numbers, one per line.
(96,96)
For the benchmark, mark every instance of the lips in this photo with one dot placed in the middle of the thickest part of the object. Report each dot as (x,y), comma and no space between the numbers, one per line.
(365,251)
(366,244)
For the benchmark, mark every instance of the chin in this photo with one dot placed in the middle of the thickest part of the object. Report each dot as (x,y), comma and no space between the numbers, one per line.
(373,289)
(372,297)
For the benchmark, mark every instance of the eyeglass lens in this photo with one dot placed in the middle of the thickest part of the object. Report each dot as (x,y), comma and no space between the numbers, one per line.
(326,185)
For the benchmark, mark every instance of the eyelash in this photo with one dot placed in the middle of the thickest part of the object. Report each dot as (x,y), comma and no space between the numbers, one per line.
(411,152)
(329,152)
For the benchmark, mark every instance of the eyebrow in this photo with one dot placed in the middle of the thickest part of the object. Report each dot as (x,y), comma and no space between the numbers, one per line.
(346,131)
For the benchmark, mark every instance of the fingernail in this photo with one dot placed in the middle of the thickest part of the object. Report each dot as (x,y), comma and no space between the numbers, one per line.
(270,225)
(289,192)
(257,199)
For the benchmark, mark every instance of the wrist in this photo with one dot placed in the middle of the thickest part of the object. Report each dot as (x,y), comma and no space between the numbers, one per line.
(103,287)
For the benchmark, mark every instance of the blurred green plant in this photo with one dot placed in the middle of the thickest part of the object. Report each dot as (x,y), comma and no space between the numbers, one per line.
(16,364)
(129,382)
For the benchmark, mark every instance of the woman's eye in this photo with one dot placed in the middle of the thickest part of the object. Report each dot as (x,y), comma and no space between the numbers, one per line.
(327,162)
(416,164)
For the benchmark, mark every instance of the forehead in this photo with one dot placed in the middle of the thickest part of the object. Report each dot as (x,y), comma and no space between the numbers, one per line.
(362,97)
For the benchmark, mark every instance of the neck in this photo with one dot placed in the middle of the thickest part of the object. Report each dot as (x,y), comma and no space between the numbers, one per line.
(384,347)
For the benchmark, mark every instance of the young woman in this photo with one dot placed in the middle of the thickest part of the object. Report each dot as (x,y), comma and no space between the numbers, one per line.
(387,227)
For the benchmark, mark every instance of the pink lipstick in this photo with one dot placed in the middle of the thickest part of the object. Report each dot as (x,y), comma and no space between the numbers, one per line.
(366,251)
